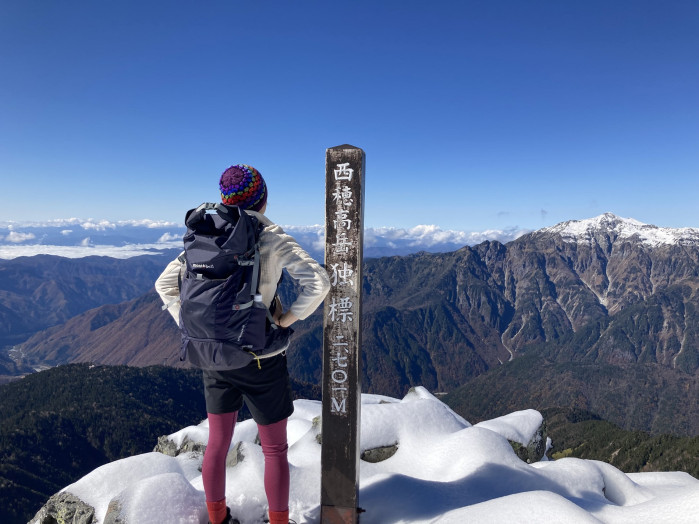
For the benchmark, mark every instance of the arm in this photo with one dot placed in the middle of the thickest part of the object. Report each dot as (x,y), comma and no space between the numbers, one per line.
(286,319)
(167,286)
(312,278)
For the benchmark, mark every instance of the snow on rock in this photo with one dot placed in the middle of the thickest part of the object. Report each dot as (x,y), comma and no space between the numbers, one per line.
(585,230)
(147,501)
(100,486)
(198,434)
(525,430)
(520,426)
(443,471)
(383,423)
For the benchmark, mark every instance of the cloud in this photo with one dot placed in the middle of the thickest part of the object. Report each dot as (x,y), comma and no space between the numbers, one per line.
(17,238)
(10,252)
(151,224)
(168,237)
(311,237)
(61,222)
(421,235)
(90,224)
(133,238)
(102,225)
(315,229)
(427,236)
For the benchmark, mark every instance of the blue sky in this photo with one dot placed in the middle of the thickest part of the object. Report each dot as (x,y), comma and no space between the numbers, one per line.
(473,114)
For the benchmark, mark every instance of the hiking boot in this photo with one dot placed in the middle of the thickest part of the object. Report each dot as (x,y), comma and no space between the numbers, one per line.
(266,520)
(229,519)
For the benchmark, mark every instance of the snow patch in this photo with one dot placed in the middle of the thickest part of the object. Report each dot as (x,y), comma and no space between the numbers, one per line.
(444,471)
(520,426)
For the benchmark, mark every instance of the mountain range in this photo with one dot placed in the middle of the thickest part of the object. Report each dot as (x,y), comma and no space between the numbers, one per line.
(42,291)
(599,314)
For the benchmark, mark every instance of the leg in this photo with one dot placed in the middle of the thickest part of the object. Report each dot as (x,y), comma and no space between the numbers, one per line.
(213,470)
(275,447)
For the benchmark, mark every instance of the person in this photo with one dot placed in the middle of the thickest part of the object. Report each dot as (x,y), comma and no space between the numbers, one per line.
(266,388)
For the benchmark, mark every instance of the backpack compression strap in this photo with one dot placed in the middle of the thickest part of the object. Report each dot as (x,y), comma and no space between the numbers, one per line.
(253,287)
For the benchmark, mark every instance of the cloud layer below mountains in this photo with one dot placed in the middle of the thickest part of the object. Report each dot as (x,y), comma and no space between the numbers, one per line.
(75,238)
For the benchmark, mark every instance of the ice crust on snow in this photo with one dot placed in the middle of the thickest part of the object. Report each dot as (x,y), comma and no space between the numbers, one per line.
(444,471)
(584,231)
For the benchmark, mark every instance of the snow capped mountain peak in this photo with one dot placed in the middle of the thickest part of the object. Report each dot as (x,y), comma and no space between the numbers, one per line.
(622,228)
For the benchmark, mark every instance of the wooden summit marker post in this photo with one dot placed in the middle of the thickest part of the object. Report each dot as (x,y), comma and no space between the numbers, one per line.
(344,236)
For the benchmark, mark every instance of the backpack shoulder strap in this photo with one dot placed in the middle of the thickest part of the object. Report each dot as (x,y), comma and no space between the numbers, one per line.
(256,271)
(183,261)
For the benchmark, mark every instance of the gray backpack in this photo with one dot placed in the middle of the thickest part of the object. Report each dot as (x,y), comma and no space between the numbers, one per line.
(223,322)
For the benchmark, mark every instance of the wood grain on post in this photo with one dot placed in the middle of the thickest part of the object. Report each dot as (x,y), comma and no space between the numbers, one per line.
(344,236)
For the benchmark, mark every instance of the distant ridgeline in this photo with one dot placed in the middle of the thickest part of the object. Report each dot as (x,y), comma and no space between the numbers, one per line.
(600,315)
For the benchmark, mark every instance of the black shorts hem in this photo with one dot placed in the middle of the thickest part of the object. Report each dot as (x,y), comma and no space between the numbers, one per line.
(266,390)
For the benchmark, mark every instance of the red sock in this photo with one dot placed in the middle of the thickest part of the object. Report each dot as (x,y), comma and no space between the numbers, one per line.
(217,511)
(279,517)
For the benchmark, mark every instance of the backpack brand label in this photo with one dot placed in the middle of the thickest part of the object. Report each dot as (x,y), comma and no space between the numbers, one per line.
(203,266)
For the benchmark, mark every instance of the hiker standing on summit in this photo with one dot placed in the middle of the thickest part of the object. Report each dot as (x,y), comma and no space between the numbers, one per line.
(263,383)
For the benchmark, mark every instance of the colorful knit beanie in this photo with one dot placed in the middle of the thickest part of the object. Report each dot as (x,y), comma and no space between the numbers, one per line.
(243,186)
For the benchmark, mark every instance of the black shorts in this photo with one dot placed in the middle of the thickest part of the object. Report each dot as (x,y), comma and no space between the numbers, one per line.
(267,391)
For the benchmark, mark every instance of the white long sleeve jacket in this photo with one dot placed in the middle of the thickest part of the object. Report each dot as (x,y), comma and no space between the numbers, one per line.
(277,251)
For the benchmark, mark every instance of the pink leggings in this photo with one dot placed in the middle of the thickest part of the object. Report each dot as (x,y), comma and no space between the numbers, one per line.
(274,447)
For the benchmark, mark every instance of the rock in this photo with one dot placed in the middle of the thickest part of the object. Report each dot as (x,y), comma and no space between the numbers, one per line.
(170,448)
(64,507)
(379,454)
(113,515)
(317,426)
(536,448)
(235,455)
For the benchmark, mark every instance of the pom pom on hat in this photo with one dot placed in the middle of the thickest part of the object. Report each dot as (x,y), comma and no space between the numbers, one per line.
(243,186)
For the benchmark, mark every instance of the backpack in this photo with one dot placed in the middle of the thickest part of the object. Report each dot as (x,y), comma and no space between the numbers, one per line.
(223,321)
